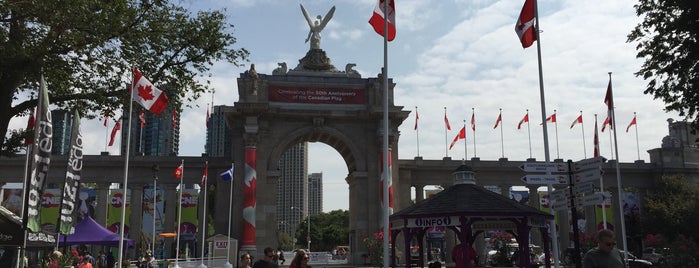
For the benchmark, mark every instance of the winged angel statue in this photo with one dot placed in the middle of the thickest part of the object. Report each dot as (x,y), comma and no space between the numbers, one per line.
(317,27)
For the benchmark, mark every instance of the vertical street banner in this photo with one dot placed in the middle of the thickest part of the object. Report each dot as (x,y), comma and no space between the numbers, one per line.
(190,220)
(116,200)
(148,217)
(50,201)
(606,210)
(545,205)
(71,186)
(43,134)
(249,197)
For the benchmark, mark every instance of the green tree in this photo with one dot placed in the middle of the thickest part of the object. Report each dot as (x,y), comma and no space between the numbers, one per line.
(328,230)
(86,50)
(668,41)
(284,241)
(672,208)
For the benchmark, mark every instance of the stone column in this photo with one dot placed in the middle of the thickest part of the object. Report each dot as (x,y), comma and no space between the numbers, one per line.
(358,215)
(419,193)
(102,198)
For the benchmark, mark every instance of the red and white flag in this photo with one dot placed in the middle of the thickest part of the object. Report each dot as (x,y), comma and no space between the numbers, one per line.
(609,101)
(106,116)
(525,24)
(473,121)
(497,122)
(150,97)
(206,174)
(596,142)
(576,121)
(116,128)
(377,19)
(461,135)
(524,120)
(178,172)
(31,122)
(550,119)
(606,122)
(417,117)
(633,122)
(142,118)
(446,121)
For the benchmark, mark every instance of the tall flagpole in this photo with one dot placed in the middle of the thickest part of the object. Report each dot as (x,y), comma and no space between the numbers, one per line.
(446,149)
(502,141)
(126,180)
(618,171)
(638,151)
(601,180)
(155,203)
(465,143)
(203,228)
(473,127)
(417,131)
(529,135)
(386,166)
(582,129)
(230,213)
(179,217)
(549,187)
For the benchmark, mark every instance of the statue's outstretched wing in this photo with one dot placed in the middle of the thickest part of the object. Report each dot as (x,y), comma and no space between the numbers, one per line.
(305,14)
(327,17)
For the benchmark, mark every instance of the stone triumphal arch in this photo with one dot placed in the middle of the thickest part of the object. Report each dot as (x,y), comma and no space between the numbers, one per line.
(313,102)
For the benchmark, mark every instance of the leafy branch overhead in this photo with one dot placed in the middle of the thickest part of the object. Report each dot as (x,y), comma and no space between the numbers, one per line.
(87,49)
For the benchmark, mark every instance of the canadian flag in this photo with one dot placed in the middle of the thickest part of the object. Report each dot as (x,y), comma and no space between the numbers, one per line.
(31,122)
(461,135)
(377,19)
(150,97)
(446,120)
(142,118)
(596,142)
(633,122)
(525,24)
(178,171)
(116,128)
(551,119)
(606,122)
(473,121)
(417,117)
(106,116)
(524,120)
(576,121)
(497,122)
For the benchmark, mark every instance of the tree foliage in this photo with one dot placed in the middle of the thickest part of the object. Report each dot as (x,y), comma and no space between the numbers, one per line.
(672,208)
(86,50)
(668,41)
(328,230)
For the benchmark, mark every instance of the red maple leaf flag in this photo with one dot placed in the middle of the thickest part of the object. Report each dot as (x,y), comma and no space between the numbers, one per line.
(150,97)
(31,122)
(461,135)
(473,121)
(633,122)
(524,120)
(551,119)
(446,120)
(576,121)
(142,118)
(417,117)
(606,122)
(178,172)
(609,101)
(497,122)
(116,128)
(525,24)
(377,19)
(206,174)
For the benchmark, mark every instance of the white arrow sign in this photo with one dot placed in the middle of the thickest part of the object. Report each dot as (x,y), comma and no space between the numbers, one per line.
(545,179)
(560,193)
(588,175)
(584,187)
(589,163)
(594,199)
(544,167)
(560,206)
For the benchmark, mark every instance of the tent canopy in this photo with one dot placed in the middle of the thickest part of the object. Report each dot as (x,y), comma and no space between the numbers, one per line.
(90,232)
(12,233)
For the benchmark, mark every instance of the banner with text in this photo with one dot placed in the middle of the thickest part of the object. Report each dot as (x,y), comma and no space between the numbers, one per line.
(50,201)
(190,220)
(116,200)
(314,95)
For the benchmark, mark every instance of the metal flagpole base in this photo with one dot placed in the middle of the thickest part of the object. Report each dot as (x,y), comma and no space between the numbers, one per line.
(228,265)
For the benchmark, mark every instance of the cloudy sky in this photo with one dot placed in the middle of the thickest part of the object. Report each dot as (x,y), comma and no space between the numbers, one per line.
(458,54)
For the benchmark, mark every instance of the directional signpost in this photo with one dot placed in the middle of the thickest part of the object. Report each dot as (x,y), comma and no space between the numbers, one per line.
(588,175)
(544,167)
(545,179)
(594,199)
(590,163)
(584,187)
